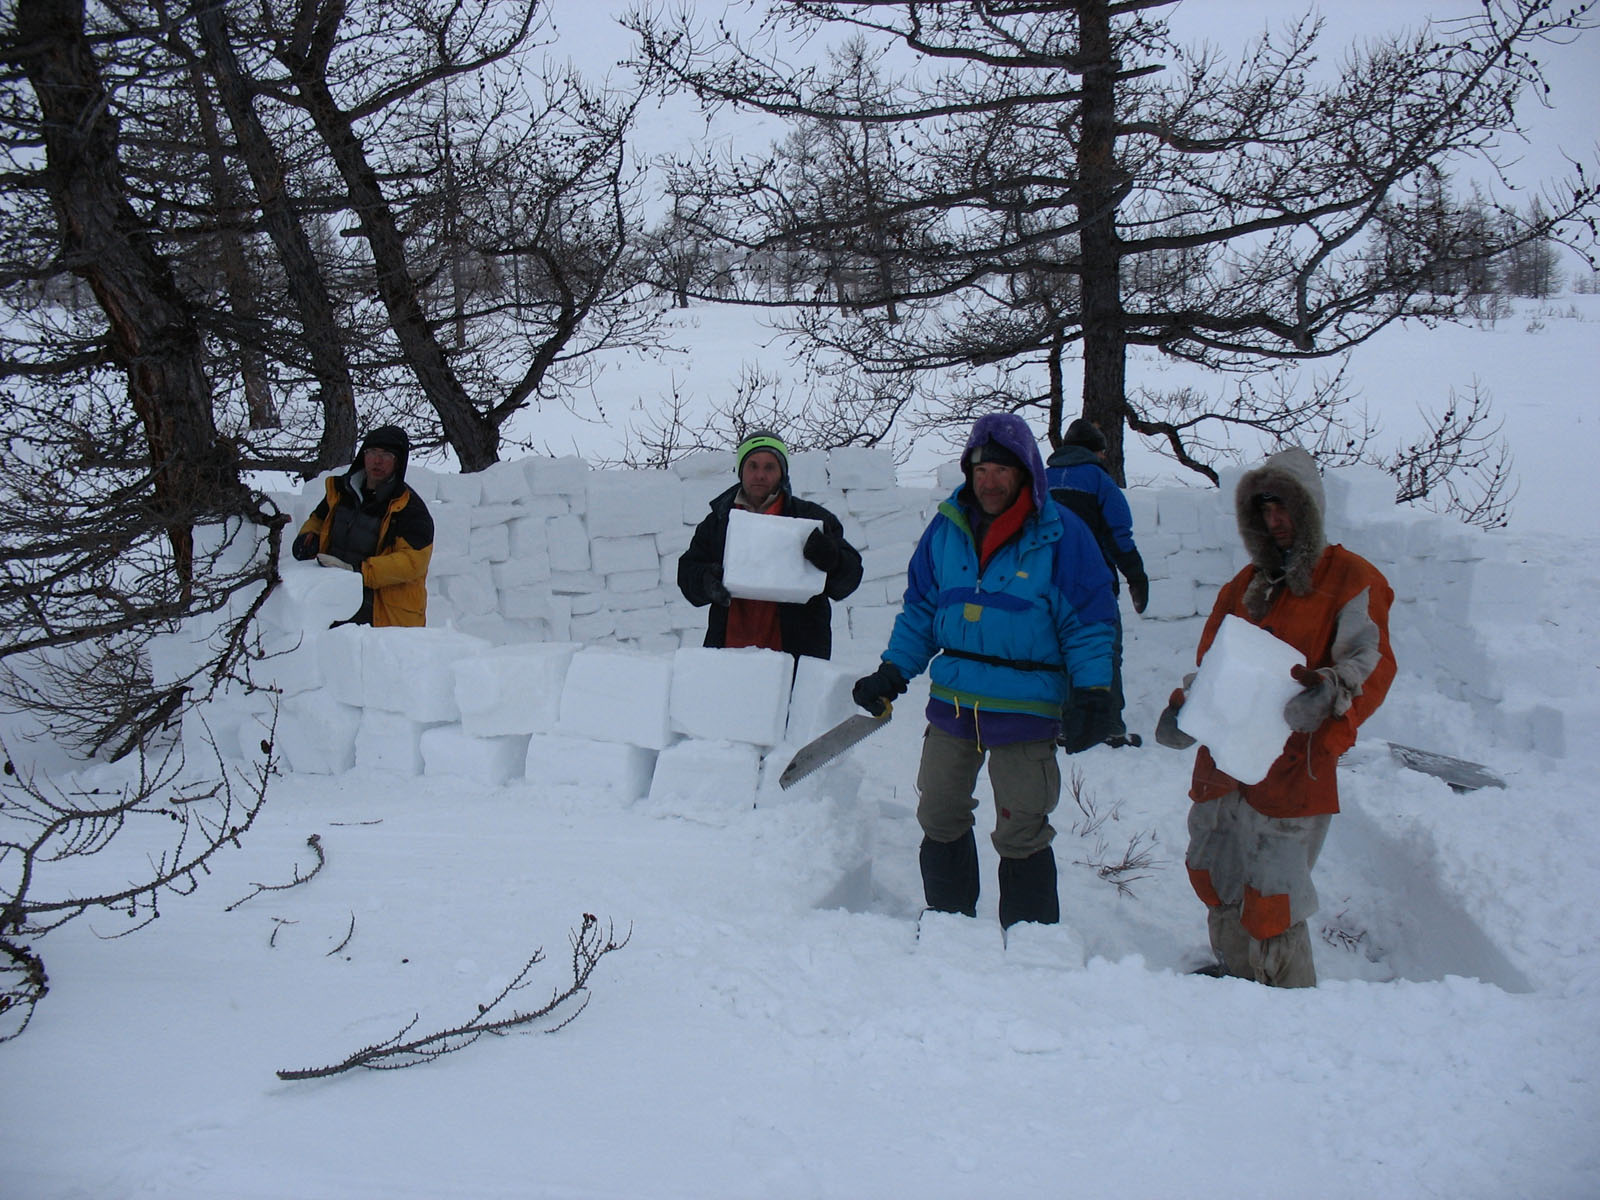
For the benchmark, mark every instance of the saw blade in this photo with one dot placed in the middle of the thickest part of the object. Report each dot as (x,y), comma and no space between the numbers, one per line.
(824,749)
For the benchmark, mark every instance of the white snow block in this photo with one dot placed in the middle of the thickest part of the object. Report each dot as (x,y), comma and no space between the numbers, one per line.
(1235,706)
(731,695)
(317,735)
(310,597)
(565,476)
(853,467)
(764,559)
(452,535)
(470,595)
(615,696)
(623,772)
(505,482)
(808,473)
(692,776)
(819,700)
(612,555)
(465,490)
(569,544)
(1356,496)
(1179,511)
(513,689)
(286,661)
(387,741)
(341,652)
(492,761)
(489,543)
(411,671)
(624,504)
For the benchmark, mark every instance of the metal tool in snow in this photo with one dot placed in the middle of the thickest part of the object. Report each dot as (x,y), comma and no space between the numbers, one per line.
(823,749)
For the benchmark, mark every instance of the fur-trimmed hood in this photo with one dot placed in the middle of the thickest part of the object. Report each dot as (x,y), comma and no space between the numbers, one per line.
(1292,476)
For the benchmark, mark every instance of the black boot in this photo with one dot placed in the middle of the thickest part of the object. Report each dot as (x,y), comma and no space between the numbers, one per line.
(950,874)
(1028,889)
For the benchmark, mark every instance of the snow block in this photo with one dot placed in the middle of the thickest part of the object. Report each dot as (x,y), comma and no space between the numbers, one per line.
(317,734)
(310,597)
(808,473)
(513,689)
(569,544)
(610,555)
(387,741)
(466,490)
(695,777)
(622,772)
(819,700)
(731,695)
(565,476)
(411,671)
(632,503)
(615,696)
(1179,511)
(492,761)
(341,653)
(1235,706)
(505,483)
(858,467)
(764,559)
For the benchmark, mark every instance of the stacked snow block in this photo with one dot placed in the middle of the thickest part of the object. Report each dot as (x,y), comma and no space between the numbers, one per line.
(551,552)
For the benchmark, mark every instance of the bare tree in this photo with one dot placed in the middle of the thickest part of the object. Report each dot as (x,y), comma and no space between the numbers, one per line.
(1081,184)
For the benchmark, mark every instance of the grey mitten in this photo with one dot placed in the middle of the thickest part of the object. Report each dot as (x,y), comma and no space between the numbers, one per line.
(1314,704)
(1167,731)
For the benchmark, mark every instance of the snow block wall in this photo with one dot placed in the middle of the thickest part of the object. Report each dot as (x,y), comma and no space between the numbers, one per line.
(559,648)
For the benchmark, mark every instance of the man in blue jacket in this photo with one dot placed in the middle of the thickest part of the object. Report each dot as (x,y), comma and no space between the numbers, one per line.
(1008,598)
(1077,477)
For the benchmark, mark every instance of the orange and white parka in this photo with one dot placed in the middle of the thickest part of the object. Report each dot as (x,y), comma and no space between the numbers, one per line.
(1327,602)
(395,578)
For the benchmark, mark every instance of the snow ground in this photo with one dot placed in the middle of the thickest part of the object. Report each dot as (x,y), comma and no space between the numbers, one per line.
(770,1030)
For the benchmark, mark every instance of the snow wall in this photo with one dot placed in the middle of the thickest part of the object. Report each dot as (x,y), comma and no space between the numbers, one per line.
(558,646)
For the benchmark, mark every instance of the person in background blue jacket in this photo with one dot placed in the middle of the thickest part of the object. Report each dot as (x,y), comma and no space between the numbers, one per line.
(1009,606)
(1077,477)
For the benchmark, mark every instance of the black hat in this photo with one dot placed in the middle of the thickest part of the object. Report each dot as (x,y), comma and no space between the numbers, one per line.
(1085,433)
(387,437)
(993,452)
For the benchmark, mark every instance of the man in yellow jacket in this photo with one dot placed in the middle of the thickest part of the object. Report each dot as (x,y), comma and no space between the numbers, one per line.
(372,522)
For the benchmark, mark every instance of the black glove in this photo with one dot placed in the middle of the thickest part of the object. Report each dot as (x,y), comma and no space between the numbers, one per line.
(1095,722)
(715,590)
(1167,731)
(1139,592)
(1314,705)
(873,692)
(821,551)
(305,546)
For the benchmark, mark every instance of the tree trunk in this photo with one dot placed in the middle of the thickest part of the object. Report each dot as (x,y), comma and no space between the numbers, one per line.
(152,332)
(303,276)
(1100,184)
(475,440)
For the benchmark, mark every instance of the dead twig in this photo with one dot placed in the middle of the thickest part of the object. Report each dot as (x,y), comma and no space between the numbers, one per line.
(315,842)
(589,946)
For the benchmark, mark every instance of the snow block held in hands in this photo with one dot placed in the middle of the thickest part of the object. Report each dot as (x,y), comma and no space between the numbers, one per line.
(764,558)
(1235,705)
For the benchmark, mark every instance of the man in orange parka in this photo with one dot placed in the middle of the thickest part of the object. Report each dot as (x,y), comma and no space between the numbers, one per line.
(372,522)
(1252,847)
